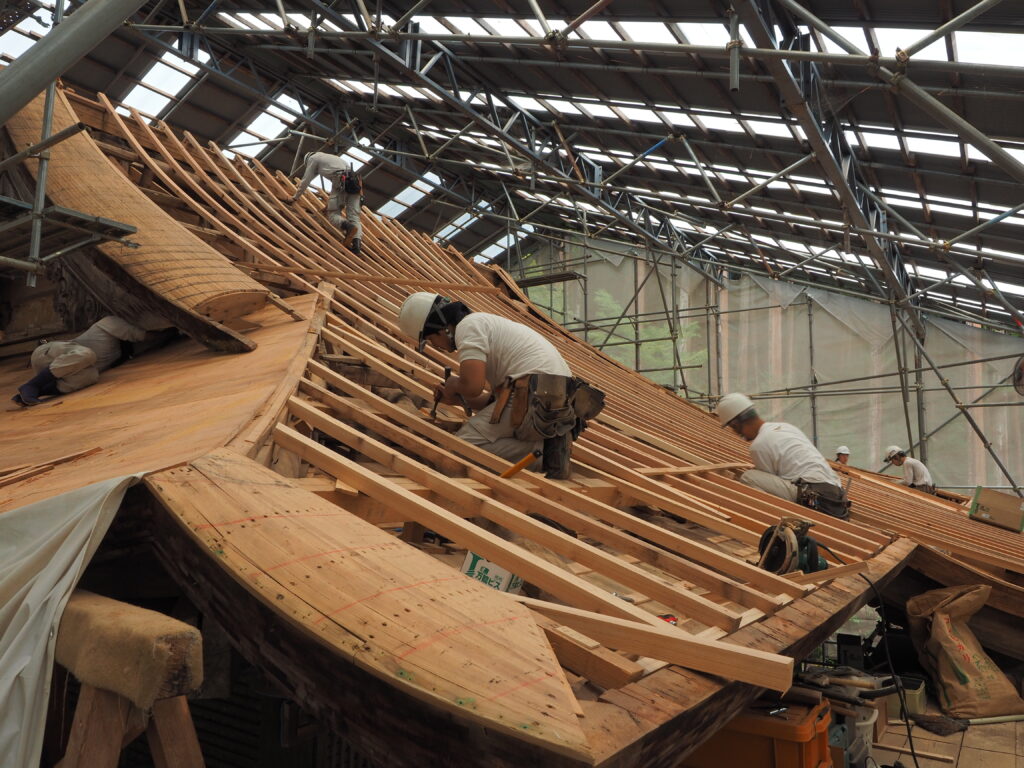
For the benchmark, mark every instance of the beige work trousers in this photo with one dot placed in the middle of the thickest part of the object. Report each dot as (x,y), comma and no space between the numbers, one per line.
(341,200)
(769,483)
(497,438)
(72,364)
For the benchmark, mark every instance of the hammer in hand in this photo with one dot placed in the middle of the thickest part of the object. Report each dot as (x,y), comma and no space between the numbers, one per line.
(437,397)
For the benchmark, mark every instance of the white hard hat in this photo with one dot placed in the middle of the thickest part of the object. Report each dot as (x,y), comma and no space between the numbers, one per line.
(731,406)
(414,313)
(891,451)
(842,449)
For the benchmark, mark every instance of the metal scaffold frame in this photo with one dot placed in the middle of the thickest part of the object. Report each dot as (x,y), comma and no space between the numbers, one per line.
(449,111)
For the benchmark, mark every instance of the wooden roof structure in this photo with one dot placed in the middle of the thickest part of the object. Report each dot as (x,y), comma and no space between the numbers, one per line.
(280,477)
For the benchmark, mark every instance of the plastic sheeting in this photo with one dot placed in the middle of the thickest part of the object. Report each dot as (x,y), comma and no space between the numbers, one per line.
(767,331)
(44,548)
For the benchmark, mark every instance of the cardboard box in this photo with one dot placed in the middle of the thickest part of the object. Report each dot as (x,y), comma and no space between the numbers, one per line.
(997,508)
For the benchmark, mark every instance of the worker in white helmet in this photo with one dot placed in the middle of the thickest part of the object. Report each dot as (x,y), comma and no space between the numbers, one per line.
(524,396)
(915,473)
(346,194)
(843,454)
(786,463)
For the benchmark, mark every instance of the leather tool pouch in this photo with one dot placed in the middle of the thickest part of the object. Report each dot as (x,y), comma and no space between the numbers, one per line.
(501,398)
(587,401)
(545,407)
(520,390)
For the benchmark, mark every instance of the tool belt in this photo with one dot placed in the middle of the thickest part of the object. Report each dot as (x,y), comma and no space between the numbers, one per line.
(824,497)
(546,405)
(926,488)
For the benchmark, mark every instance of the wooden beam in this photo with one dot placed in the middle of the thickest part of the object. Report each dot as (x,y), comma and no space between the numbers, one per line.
(568,546)
(358,277)
(834,572)
(693,470)
(768,670)
(587,657)
(519,561)
(695,572)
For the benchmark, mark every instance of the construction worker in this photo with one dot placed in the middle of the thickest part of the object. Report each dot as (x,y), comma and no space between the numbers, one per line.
(786,463)
(67,366)
(915,473)
(346,194)
(843,454)
(524,395)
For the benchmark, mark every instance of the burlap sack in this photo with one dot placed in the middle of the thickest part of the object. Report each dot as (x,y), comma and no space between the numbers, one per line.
(969,684)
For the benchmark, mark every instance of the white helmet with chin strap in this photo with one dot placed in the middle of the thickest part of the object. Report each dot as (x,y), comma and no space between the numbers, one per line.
(841,450)
(892,452)
(417,310)
(732,406)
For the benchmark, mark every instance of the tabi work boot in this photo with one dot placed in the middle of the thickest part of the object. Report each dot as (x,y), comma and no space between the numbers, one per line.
(43,383)
(355,247)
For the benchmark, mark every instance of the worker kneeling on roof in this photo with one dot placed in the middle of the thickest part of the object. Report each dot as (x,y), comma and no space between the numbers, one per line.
(67,366)
(786,463)
(346,194)
(524,395)
(915,473)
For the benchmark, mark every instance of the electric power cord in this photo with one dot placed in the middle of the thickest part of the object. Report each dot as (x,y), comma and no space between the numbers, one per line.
(897,680)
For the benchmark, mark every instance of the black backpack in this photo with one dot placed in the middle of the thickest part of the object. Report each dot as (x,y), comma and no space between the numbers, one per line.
(353,184)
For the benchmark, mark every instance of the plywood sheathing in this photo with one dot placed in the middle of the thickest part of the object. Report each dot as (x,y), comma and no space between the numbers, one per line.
(159,409)
(380,604)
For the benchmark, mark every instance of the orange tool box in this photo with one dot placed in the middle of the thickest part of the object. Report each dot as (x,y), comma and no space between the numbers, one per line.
(796,738)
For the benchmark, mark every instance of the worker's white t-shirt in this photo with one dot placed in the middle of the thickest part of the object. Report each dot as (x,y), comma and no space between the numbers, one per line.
(782,449)
(915,472)
(509,349)
(323,164)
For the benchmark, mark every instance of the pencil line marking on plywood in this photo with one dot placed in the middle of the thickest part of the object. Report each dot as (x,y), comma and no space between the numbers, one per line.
(366,548)
(446,633)
(386,591)
(258,518)
(525,684)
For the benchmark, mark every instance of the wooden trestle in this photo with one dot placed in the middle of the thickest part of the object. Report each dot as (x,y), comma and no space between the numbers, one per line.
(281,519)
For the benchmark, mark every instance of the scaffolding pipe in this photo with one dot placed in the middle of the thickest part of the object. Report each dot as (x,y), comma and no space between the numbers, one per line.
(950,26)
(56,138)
(815,257)
(734,51)
(902,84)
(24,78)
(588,14)
(814,378)
(634,161)
(970,419)
(758,187)
(407,16)
(862,60)
(983,225)
(894,373)
(535,6)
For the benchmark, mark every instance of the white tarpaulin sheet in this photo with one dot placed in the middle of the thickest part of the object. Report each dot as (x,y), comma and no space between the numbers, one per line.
(44,548)
(766,332)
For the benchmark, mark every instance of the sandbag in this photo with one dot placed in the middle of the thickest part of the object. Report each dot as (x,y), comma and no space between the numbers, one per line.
(968,683)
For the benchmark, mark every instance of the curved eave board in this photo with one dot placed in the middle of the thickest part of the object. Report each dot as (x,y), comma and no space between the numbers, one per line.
(445,644)
(180,270)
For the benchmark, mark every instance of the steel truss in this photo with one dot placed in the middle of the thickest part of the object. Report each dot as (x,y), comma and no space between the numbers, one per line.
(569,194)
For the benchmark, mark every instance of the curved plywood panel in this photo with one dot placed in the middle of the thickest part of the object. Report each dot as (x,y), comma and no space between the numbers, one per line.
(184,275)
